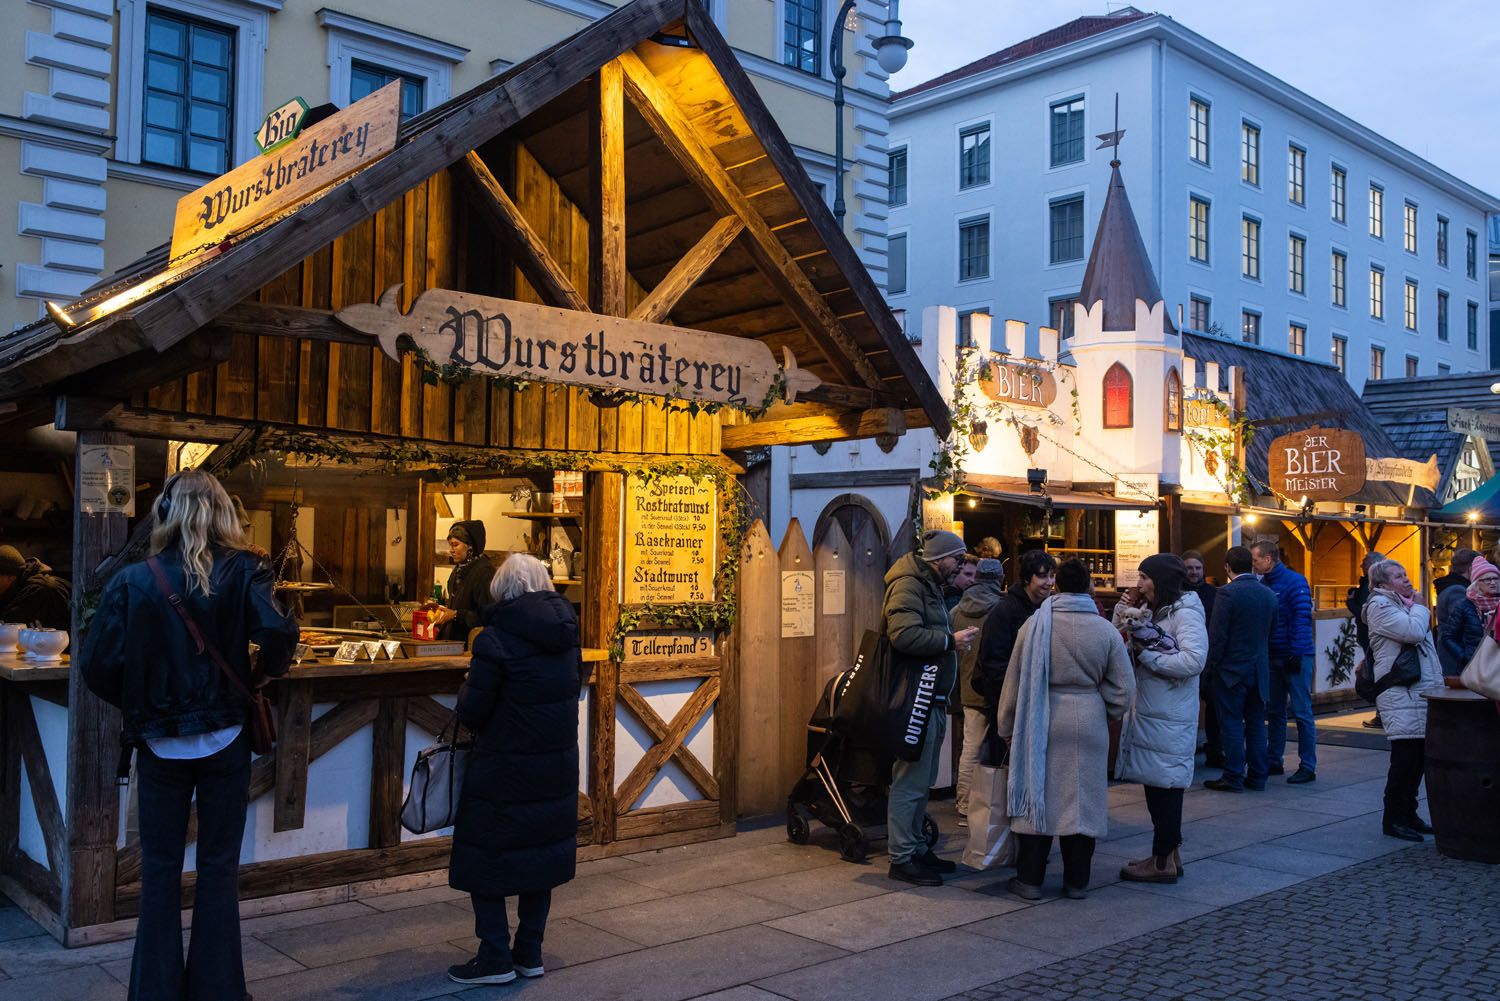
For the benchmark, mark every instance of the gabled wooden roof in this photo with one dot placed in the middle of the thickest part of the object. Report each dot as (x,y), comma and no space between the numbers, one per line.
(705,165)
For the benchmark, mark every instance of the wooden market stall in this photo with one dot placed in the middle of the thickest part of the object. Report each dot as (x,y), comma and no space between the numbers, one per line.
(606,261)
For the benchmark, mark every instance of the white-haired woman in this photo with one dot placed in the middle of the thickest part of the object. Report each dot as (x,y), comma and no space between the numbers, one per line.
(1399,631)
(186,721)
(517,813)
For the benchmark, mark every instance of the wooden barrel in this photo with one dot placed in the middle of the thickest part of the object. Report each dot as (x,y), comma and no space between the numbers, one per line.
(1463,774)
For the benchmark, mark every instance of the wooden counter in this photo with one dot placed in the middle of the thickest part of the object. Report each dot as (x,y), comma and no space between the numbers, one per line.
(15,667)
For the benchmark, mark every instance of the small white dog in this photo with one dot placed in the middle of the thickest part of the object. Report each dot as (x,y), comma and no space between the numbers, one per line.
(1136,625)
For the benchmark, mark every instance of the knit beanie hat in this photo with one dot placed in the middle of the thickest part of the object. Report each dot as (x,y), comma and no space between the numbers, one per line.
(12,563)
(1482,567)
(939,543)
(991,569)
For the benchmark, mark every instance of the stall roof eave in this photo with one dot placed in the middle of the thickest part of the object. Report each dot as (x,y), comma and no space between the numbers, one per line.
(1001,489)
(792,255)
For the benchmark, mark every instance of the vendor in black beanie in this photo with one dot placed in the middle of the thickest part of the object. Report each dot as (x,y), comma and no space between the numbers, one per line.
(468,585)
(31,594)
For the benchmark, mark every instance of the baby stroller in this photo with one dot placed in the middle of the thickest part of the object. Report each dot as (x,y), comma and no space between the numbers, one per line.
(844,786)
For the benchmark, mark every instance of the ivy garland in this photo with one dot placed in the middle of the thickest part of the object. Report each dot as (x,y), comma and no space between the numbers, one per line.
(1236,479)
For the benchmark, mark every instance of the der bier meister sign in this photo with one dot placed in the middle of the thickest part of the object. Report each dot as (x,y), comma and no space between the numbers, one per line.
(669,543)
(521,340)
(1321,464)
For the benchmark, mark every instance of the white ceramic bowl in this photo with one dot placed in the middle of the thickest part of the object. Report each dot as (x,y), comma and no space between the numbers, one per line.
(44,644)
(10,636)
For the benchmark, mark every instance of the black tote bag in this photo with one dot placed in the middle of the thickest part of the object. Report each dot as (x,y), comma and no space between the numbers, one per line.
(886,700)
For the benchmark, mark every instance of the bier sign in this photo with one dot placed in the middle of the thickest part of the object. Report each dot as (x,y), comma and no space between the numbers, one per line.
(1017,383)
(669,544)
(289,173)
(521,340)
(1320,464)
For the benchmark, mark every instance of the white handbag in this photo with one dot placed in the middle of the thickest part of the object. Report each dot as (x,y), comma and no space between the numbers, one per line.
(1482,673)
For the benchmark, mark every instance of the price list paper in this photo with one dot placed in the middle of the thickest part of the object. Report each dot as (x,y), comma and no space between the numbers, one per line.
(671,536)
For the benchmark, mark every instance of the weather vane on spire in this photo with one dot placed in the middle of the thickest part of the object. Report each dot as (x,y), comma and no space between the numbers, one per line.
(1113,138)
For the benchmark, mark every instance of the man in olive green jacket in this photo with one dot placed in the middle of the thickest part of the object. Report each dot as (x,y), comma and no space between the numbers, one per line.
(915,619)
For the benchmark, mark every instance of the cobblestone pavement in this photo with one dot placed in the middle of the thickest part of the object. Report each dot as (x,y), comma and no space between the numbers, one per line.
(1410,926)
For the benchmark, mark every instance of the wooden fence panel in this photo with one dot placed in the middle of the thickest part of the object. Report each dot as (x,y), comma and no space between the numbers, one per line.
(759,631)
(799,654)
(868,565)
(834,622)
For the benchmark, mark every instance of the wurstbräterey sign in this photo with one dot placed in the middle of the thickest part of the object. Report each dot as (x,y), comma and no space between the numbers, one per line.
(288,173)
(521,340)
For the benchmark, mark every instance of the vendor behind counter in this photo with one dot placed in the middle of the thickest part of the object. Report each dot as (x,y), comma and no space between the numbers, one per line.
(31,594)
(468,584)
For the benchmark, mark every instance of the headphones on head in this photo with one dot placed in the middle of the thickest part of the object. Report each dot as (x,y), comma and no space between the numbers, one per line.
(164,502)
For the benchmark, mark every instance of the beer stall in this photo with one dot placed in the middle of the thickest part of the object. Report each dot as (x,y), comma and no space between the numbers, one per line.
(562,304)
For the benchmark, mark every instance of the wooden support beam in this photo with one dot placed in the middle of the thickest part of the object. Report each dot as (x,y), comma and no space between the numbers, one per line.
(293,753)
(387,766)
(49,815)
(603,502)
(607,277)
(664,750)
(675,130)
(686,272)
(820,425)
(428,713)
(532,255)
(672,735)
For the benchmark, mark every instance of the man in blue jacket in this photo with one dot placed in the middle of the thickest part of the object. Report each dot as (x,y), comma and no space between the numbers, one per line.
(1239,637)
(1292,664)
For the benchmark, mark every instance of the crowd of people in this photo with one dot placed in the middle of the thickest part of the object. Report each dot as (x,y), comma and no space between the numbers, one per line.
(1182,664)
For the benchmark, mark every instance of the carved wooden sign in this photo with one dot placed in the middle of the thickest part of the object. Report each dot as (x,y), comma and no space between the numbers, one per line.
(281,125)
(501,337)
(1017,383)
(1321,464)
(1407,472)
(1199,412)
(327,152)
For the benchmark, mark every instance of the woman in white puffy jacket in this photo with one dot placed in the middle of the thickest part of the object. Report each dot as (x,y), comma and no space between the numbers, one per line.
(1159,735)
(1397,621)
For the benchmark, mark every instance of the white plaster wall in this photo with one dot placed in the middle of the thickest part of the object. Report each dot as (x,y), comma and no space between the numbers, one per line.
(632,741)
(52,725)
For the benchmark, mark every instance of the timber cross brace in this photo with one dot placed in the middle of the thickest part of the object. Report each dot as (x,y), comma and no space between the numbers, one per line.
(670,742)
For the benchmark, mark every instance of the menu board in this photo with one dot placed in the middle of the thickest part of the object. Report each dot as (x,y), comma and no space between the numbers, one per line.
(797,603)
(1137,533)
(670,540)
(106,479)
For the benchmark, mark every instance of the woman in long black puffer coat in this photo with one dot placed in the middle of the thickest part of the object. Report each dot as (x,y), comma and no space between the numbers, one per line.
(518,809)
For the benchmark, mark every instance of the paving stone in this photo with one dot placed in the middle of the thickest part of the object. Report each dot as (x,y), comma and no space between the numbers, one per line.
(272,923)
(920,969)
(413,898)
(689,915)
(407,975)
(677,971)
(81,983)
(15,923)
(826,886)
(1074,927)
(597,893)
(730,868)
(568,943)
(1359,838)
(24,957)
(1212,881)
(372,934)
(894,917)
(1280,858)
(261,961)
(742,993)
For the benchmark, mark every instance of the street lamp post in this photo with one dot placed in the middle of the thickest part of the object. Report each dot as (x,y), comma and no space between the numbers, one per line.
(890,52)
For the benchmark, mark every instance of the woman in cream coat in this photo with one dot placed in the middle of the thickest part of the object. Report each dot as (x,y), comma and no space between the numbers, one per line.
(1160,733)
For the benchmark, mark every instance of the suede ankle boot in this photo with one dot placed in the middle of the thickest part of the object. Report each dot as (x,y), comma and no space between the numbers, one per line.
(1152,869)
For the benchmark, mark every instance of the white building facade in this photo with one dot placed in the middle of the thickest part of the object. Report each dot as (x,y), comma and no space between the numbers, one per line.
(1267,215)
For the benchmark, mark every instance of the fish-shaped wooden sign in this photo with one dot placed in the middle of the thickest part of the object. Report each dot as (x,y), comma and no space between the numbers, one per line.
(520,340)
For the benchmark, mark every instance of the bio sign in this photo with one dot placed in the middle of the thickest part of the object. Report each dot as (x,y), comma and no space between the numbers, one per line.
(1017,383)
(281,125)
(1320,464)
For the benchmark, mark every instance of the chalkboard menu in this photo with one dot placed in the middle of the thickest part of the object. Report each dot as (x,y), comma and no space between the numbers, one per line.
(670,540)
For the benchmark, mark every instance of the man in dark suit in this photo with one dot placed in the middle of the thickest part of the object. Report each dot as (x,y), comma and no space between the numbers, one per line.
(1239,657)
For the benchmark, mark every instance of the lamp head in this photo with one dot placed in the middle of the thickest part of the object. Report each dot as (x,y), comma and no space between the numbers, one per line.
(890,48)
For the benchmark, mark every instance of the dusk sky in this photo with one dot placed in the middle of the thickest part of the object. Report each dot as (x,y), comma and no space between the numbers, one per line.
(1426,75)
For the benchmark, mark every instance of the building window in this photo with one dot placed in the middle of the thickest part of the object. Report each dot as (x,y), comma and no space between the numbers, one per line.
(1338,183)
(895,282)
(974,248)
(1442,316)
(1198,229)
(1067,132)
(1377,294)
(898,176)
(1412,365)
(1250,247)
(1066,224)
(1250,326)
(1377,363)
(1296,264)
(974,156)
(1410,302)
(1409,228)
(1060,314)
(1119,398)
(1340,353)
(1249,154)
(1444,369)
(1338,270)
(1377,212)
(366,78)
(1442,241)
(802,35)
(966,326)
(189,98)
(1199,313)
(1296,338)
(1472,326)
(1198,130)
(1296,175)
(1471,253)
(1174,400)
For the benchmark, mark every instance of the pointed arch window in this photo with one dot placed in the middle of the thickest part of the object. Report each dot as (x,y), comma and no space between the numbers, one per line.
(1119,397)
(1174,400)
